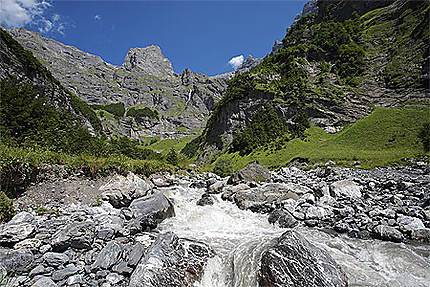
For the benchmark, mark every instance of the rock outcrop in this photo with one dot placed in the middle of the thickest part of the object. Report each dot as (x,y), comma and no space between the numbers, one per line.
(294,262)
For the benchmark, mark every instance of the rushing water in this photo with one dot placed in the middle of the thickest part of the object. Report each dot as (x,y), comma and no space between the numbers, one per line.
(239,237)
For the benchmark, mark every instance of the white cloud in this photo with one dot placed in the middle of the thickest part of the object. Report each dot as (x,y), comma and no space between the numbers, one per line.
(15,13)
(97,17)
(236,61)
(19,13)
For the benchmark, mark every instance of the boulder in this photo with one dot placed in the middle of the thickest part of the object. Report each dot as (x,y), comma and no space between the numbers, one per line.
(120,190)
(206,199)
(108,256)
(64,273)
(388,233)
(152,209)
(253,172)
(345,188)
(265,198)
(421,234)
(44,282)
(283,218)
(78,235)
(55,259)
(216,187)
(409,223)
(16,261)
(172,262)
(19,228)
(291,261)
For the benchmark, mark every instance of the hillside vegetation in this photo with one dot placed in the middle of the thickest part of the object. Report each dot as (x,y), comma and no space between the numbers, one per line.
(331,71)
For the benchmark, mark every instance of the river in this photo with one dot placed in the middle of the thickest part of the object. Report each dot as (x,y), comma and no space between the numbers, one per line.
(238,237)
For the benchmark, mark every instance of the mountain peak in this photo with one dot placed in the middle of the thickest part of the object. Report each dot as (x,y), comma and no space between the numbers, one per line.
(150,60)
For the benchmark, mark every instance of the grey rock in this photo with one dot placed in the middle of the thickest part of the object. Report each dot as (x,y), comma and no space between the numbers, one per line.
(345,188)
(292,261)
(137,251)
(317,212)
(388,233)
(64,273)
(114,278)
(44,282)
(152,209)
(120,190)
(75,279)
(38,270)
(253,172)
(171,261)
(108,256)
(16,261)
(421,234)
(216,187)
(409,223)
(79,235)
(55,259)
(29,243)
(17,229)
(206,199)
(283,218)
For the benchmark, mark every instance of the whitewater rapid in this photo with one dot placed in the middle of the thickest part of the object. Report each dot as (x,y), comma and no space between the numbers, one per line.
(239,237)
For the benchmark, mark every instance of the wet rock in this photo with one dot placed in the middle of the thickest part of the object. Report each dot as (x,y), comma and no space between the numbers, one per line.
(345,188)
(74,279)
(18,228)
(316,212)
(253,172)
(152,209)
(171,261)
(283,218)
(388,233)
(206,199)
(108,257)
(216,187)
(160,180)
(292,261)
(79,235)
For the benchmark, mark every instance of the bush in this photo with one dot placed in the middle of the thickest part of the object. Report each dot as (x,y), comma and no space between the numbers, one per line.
(424,135)
(7,211)
(116,109)
(223,167)
(191,148)
(15,175)
(142,113)
(172,157)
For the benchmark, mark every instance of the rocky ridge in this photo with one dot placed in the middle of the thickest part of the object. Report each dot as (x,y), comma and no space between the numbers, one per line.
(146,79)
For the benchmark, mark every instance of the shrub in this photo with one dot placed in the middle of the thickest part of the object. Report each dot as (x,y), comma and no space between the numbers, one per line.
(81,107)
(142,113)
(116,109)
(424,135)
(172,157)
(223,167)
(191,148)
(7,211)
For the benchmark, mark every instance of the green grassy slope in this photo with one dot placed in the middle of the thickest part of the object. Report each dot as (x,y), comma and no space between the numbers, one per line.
(383,138)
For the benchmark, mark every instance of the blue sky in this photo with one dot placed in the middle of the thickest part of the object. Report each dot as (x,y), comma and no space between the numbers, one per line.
(200,35)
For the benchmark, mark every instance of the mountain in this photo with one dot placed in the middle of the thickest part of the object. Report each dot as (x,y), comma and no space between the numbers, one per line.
(336,64)
(144,97)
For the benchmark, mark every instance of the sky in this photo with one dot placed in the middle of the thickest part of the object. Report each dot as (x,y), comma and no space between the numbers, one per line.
(210,37)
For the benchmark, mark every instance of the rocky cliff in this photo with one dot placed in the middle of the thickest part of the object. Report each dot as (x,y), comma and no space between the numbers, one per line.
(330,72)
(146,82)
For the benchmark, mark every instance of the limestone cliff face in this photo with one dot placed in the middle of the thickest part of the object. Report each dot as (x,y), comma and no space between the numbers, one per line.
(146,79)
(149,60)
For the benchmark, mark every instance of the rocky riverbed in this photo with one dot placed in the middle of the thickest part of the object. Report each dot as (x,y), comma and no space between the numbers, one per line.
(240,231)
